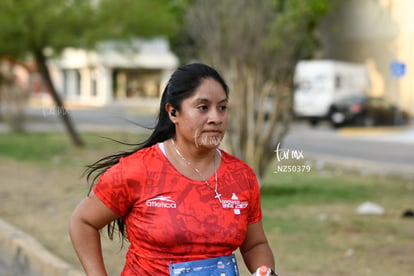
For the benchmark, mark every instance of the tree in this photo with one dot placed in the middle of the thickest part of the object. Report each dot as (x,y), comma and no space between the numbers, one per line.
(14,81)
(256,44)
(31,27)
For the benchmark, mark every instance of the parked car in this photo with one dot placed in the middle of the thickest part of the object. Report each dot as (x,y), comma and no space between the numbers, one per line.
(366,111)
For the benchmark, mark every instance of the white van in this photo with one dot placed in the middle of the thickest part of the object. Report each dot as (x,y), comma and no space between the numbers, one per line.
(320,83)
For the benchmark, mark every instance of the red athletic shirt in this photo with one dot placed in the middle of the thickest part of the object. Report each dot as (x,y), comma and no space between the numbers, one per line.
(170,218)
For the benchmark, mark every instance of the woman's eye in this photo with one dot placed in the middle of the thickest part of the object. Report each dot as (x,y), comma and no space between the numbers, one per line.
(202,107)
(223,107)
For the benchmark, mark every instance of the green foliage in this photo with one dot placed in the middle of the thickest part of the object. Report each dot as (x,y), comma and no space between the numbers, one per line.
(35,24)
(124,19)
(29,25)
(293,29)
(269,35)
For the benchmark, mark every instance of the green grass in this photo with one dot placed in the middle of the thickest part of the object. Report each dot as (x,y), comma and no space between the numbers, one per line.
(33,147)
(46,148)
(314,229)
(309,218)
(312,189)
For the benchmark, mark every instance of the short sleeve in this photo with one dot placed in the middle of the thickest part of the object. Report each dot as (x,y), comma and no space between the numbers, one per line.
(255,214)
(112,189)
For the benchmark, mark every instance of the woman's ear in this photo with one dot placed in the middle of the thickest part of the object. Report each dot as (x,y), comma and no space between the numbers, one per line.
(172,112)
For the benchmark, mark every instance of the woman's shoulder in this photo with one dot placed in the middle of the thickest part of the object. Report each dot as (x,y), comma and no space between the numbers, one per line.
(233,161)
(142,158)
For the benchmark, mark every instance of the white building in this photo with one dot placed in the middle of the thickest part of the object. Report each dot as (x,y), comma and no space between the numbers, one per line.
(114,72)
(377,33)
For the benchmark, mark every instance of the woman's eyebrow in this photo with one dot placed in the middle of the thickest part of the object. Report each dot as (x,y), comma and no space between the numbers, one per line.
(205,100)
(200,100)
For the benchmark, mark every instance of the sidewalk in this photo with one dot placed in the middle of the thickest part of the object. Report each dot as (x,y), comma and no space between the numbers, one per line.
(21,255)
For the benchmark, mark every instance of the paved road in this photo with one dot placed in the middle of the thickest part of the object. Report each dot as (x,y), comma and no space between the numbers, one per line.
(384,146)
(111,117)
(389,149)
(4,270)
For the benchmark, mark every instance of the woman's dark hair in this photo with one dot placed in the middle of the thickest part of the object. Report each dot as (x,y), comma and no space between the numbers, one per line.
(181,85)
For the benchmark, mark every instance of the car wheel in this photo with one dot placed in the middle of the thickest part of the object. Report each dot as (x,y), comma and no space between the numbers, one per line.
(314,122)
(337,117)
(368,121)
(401,120)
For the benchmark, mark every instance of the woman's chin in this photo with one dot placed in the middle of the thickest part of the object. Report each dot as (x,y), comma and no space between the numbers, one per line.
(208,141)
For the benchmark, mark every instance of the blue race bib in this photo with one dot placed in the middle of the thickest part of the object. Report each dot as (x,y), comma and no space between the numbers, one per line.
(219,266)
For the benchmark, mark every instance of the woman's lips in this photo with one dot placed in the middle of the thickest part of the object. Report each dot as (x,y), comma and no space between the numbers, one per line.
(213,132)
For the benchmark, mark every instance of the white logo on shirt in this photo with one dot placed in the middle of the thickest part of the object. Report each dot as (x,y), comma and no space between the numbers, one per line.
(234,204)
(161,202)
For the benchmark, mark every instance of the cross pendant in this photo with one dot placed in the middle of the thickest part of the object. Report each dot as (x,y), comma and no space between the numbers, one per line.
(218,196)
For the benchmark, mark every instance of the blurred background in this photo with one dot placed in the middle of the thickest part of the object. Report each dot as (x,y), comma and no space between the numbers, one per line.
(322,95)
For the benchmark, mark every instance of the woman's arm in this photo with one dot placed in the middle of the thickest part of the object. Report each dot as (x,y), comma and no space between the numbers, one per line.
(88,218)
(255,249)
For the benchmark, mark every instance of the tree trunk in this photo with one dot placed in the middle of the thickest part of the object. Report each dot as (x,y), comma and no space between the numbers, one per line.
(44,71)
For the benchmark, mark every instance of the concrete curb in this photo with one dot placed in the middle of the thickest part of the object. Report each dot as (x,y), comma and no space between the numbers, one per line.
(351,131)
(22,255)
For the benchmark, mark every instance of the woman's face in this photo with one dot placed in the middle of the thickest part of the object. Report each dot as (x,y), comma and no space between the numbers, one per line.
(202,119)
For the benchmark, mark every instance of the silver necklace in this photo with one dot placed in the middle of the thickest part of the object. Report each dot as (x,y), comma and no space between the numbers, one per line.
(218,196)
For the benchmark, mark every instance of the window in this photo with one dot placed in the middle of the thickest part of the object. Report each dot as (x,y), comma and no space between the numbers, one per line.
(94,85)
(78,82)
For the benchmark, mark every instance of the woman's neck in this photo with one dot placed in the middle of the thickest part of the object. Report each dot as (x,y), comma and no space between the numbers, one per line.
(188,159)
(195,154)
